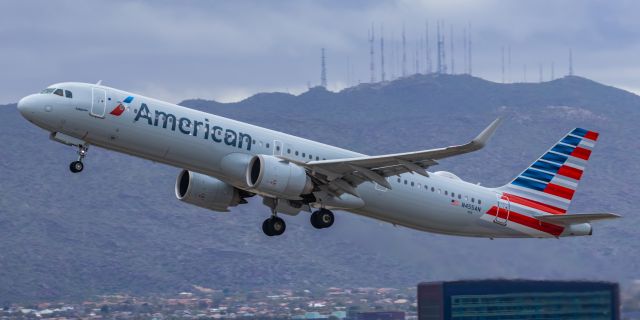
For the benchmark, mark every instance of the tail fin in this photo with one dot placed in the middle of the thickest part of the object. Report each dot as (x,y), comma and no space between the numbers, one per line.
(549,183)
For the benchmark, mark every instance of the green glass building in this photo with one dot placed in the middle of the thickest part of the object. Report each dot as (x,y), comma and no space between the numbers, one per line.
(518,299)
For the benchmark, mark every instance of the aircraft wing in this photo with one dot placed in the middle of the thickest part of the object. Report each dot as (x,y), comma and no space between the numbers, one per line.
(343,175)
(567,219)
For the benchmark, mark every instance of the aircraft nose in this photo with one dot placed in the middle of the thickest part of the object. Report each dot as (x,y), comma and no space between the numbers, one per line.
(27,106)
(21,104)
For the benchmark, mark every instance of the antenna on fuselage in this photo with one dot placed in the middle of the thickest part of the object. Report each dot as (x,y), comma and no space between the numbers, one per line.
(99,82)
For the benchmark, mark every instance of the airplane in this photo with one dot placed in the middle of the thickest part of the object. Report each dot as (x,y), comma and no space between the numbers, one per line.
(223,162)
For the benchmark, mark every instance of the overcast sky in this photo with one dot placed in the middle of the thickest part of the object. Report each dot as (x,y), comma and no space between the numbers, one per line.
(228,50)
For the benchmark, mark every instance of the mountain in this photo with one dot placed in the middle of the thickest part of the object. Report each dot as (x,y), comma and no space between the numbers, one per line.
(117,226)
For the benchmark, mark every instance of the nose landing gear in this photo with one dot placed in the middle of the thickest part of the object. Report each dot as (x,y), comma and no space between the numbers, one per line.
(77,166)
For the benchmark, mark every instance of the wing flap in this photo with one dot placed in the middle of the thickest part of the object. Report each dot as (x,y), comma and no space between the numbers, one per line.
(567,219)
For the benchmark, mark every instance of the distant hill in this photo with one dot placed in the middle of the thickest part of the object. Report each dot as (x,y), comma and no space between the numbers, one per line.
(118,228)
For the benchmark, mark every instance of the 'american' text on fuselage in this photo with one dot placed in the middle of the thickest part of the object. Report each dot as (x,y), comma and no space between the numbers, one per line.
(190,127)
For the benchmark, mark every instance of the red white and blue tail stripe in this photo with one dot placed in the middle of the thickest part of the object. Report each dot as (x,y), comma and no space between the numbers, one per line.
(548,185)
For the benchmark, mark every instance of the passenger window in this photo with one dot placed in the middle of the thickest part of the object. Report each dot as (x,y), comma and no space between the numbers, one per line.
(473,200)
(310,157)
(446,193)
(303,154)
(324,158)
(459,196)
(405,182)
(412,183)
(68,94)
(399,180)
(453,195)
(479,202)
(278,148)
(288,150)
(58,92)
(254,141)
(433,189)
(267,146)
(296,153)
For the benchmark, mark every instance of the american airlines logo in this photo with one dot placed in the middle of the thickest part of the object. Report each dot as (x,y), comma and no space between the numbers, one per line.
(119,109)
(192,127)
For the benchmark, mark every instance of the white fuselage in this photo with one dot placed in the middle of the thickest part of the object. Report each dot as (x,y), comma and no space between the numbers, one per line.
(440,203)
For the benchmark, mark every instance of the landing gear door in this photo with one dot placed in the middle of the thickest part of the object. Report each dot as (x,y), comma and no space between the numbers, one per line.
(503,210)
(98,102)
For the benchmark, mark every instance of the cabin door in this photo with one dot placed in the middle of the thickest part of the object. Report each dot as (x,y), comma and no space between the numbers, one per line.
(98,102)
(502,213)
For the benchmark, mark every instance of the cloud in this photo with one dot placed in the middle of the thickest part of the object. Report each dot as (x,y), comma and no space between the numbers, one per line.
(218,49)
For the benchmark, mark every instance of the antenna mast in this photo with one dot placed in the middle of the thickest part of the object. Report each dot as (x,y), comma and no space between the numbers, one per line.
(453,62)
(427,47)
(570,62)
(404,53)
(469,47)
(382,75)
(323,73)
(372,64)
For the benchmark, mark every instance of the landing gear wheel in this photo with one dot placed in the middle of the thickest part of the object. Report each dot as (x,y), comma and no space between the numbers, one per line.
(274,226)
(76,166)
(322,218)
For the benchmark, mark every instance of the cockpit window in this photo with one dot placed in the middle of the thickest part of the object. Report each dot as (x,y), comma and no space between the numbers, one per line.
(68,94)
(58,92)
(48,91)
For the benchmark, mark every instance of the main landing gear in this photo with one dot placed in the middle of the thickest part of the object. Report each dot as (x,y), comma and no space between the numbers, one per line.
(273,226)
(322,218)
(77,166)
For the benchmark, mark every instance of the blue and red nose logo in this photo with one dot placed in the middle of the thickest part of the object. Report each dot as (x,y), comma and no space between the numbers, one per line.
(119,109)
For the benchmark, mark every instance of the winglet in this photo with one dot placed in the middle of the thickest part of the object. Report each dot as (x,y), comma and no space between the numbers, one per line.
(481,140)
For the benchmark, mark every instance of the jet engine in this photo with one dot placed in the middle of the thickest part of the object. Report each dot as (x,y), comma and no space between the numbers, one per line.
(277,177)
(208,192)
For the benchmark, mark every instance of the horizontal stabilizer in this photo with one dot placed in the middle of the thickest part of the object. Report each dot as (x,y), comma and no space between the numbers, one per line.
(568,219)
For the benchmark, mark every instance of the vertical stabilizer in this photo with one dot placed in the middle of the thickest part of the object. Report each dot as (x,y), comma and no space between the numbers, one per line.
(548,185)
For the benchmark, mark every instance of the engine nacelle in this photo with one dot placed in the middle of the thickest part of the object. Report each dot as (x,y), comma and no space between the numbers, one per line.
(206,192)
(277,177)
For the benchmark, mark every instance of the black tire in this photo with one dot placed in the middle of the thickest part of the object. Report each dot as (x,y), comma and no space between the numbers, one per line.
(322,218)
(278,226)
(326,218)
(76,166)
(273,226)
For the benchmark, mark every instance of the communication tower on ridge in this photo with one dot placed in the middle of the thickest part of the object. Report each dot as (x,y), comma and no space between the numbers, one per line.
(372,63)
(323,72)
